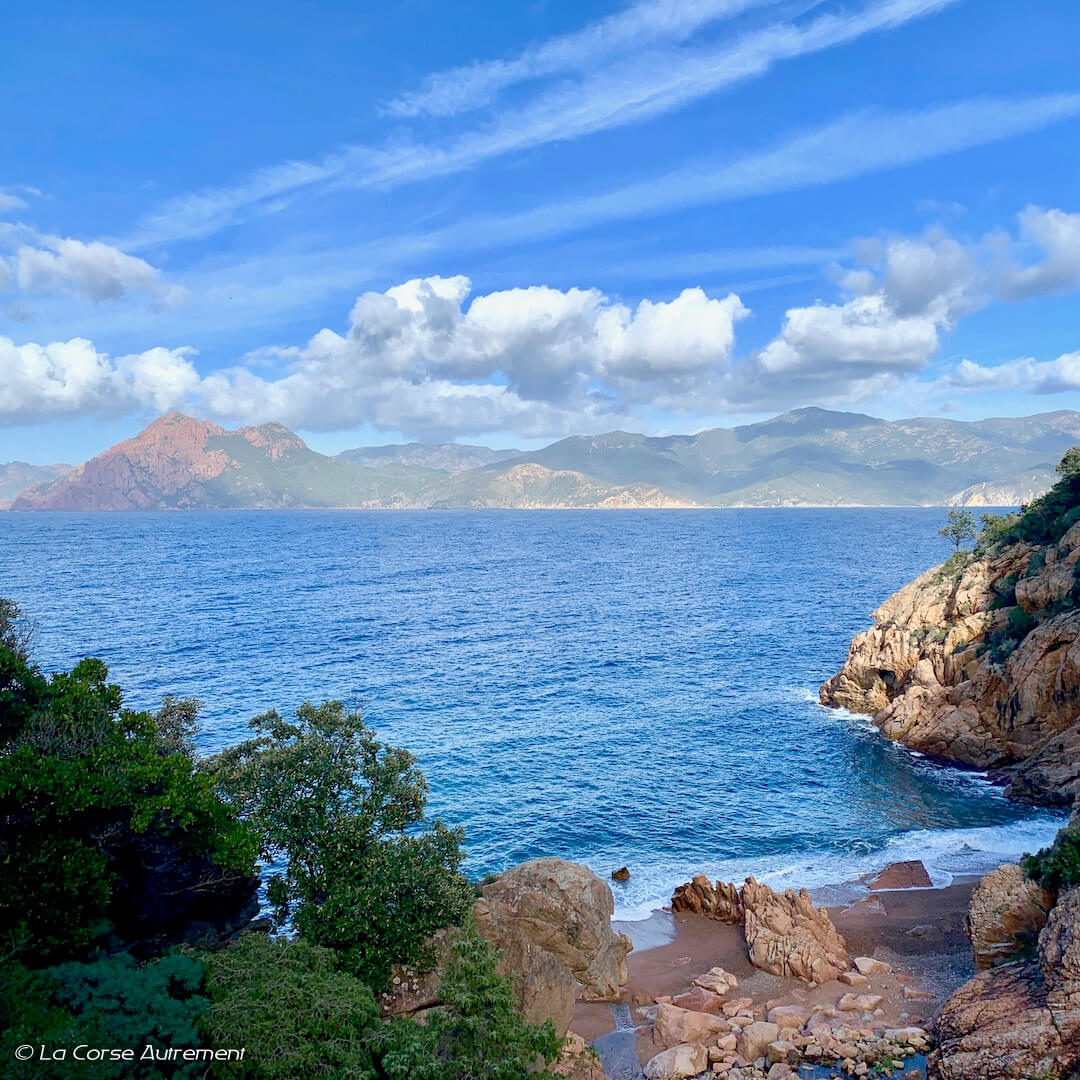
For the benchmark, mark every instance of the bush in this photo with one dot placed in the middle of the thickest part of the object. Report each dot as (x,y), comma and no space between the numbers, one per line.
(366,873)
(477,1034)
(295,1014)
(103,829)
(107,1003)
(1058,866)
(1000,644)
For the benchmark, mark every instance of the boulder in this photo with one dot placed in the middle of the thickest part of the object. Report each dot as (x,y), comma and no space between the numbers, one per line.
(697,999)
(867,965)
(679,1062)
(862,1003)
(674,1025)
(1020,1019)
(564,909)
(622,874)
(1005,915)
(753,1041)
(786,935)
(789,1017)
(717,981)
(702,897)
(902,875)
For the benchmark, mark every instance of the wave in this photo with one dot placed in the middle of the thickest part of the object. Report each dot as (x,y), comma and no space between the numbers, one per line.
(832,877)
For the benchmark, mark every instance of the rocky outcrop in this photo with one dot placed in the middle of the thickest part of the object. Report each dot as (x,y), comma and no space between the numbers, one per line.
(787,935)
(1020,1018)
(980,664)
(1005,915)
(699,895)
(551,921)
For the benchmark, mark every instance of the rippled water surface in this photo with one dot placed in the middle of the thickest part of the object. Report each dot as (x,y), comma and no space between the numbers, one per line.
(624,687)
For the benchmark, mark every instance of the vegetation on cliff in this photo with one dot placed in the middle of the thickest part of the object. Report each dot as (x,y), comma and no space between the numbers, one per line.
(129,881)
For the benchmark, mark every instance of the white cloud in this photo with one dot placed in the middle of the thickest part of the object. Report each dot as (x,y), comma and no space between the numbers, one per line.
(648,23)
(94,270)
(1027,375)
(418,358)
(631,89)
(63,379)
(1056,235)
(906,295)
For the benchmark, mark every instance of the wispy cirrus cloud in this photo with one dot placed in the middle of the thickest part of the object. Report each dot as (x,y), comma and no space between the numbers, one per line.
(629,90)
(643,25)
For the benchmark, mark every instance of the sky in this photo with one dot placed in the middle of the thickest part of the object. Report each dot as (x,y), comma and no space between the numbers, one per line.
(506,223)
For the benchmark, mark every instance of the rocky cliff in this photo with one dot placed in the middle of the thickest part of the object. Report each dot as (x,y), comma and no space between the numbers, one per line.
(978,661)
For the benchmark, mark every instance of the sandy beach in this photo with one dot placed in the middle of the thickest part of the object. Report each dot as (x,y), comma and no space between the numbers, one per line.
(918,932)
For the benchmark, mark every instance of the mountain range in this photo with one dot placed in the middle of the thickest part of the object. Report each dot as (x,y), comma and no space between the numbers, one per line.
(807,457)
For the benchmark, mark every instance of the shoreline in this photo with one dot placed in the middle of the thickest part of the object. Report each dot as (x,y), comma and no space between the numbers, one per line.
(918,932)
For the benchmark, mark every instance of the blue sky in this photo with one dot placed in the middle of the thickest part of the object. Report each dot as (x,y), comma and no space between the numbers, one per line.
(507,223)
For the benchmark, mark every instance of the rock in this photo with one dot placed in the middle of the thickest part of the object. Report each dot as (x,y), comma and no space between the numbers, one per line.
(578,1060)
(789,1017)
(902,875)
(1005,914)
(786,935)
(1059,958)
(863,1003)
(622,874)
(697,999)
(997,1026)
(674,1025)
(853,978)
(867,965)
(717,980)
(753,1040)
(702,897)
(543,984)
(737,1005)
(678,1063)
(551,919)
(912,993)
(565,909)
(922,673)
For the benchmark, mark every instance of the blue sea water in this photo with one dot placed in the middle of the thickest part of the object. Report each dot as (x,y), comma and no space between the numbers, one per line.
(633,688)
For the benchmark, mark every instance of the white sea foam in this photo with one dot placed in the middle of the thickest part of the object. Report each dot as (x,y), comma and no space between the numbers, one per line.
(946,854)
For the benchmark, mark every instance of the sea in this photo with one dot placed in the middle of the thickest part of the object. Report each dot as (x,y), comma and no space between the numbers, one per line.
(620,688)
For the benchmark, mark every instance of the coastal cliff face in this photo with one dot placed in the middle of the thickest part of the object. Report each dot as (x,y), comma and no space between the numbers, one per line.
(978,660)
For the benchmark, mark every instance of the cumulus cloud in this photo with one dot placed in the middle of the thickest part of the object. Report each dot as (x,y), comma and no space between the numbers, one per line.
(71,378)
(905,293)
(94,270)
(418,358)
(1027,375)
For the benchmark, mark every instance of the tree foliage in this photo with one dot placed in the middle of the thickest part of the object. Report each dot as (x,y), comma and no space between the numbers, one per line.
(477,1032)
(1046,519)
(110,1002)
(366,873)
(293,1011)
(102,825)
(1057,866)
(959,527)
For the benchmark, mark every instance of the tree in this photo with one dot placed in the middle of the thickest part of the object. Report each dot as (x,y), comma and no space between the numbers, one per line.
(366,872)
(104,832)
(1069,465)
(296,1014)
(959,527)
(477,1033)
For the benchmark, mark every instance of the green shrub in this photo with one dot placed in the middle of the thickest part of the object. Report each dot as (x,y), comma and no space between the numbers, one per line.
(1058,866)
(110,1002)
(477,1034)
(291,1010)
(101,824)
(366,872)
(1004,592)
(1000,644)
